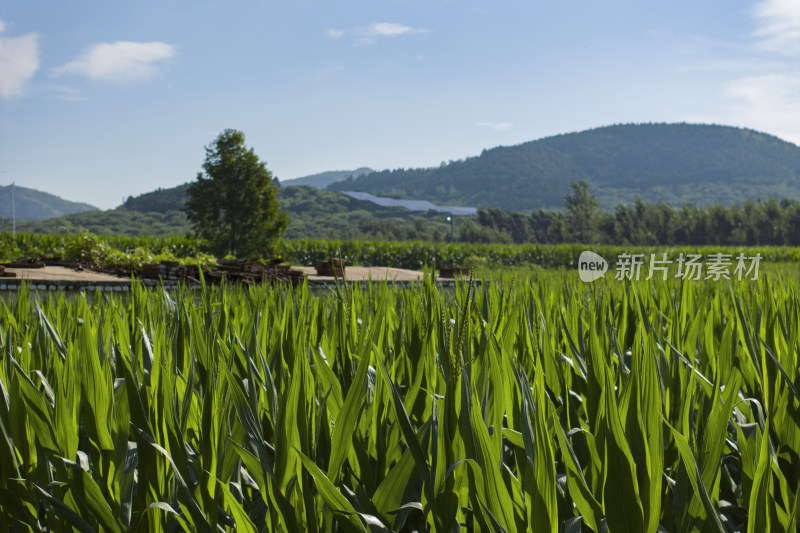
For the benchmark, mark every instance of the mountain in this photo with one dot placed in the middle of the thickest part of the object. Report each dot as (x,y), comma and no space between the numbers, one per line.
(30,204)
(323,179)
(671,163)
(313,213)
(155,213)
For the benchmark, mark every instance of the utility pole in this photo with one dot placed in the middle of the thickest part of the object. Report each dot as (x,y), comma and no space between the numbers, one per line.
(451,221)
(13,217)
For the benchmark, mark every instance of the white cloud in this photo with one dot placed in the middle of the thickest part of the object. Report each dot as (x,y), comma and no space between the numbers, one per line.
(763,90)
(497,126)
(335,34)
(768,103)
(378,30)
(19,61)
(390,29)
(778,27)
(119,62)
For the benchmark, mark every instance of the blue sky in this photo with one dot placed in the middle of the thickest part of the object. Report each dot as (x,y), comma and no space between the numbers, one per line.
(100,100)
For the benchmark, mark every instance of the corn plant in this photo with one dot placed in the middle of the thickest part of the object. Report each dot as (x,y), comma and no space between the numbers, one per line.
(544,404)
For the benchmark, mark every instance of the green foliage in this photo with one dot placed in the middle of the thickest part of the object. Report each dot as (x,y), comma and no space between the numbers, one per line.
(119,221)
(332,215)
(159,201)
(671,163)
(417,255)
(119,251)
(469,231)
(519,227)
(326,214)
(520,178)
(771,222)
(581,208)
(233,205)
(111,252)
(312,212)
(546,405)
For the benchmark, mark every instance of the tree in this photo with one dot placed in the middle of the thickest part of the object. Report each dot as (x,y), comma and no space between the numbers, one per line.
(581,208)
(233,205)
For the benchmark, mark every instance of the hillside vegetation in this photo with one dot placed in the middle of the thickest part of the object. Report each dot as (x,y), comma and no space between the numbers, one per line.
(312,212)
(31,204)
(639,175)
(671,163)
(319,214)
(323,179)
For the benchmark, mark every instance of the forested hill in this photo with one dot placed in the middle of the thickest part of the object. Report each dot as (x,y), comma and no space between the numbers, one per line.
(672,163)
(323,179)
(159,201)
(30,204)
(313,213)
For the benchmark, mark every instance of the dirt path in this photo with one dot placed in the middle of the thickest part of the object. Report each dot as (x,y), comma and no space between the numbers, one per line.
(57,273)
(357,273)
(352,273)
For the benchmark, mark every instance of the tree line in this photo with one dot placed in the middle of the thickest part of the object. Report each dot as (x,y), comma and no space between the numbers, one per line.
(752,223)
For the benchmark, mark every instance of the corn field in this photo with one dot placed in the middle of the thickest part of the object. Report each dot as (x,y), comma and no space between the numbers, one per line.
(540,405)
(132,252)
